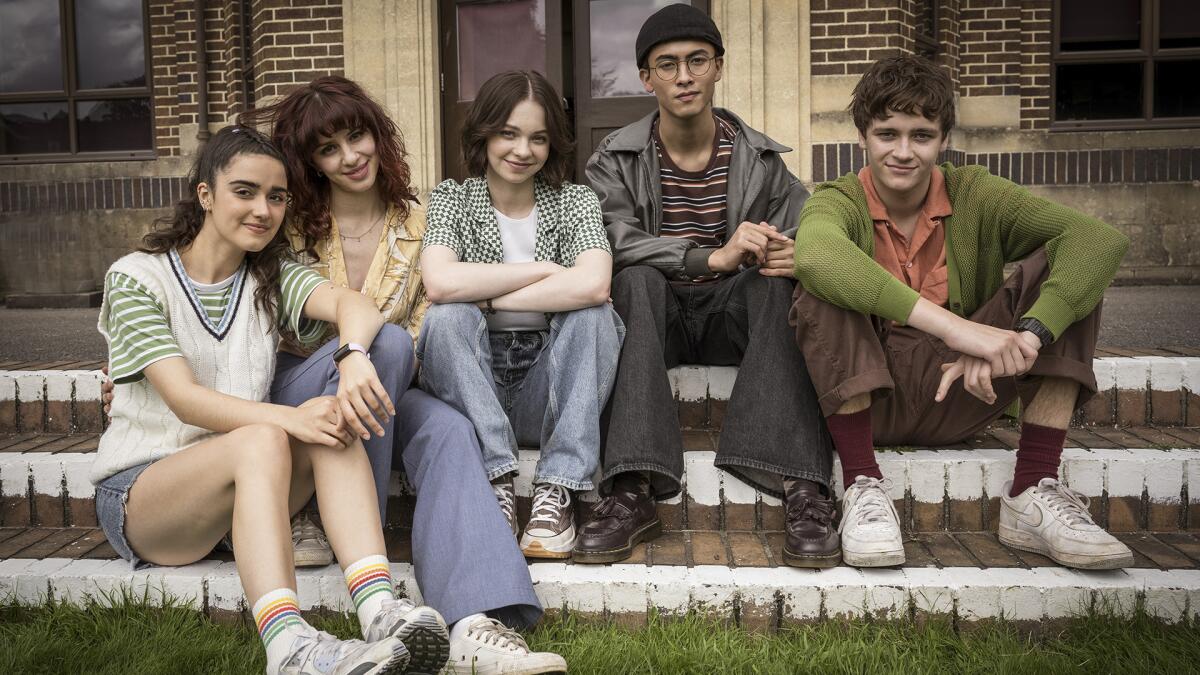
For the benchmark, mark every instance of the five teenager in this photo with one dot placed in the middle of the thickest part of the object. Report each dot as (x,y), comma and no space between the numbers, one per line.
(901,294)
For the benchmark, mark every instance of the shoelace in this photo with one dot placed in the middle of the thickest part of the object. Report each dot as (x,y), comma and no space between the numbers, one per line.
(821,511)
(322,647)
(305,529)
(489,631)
(398,605)
(548,502)
(504,495)
(872,504)
(1069,504)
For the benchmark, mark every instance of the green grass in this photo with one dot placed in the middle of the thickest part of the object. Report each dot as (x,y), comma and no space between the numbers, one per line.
(132,638)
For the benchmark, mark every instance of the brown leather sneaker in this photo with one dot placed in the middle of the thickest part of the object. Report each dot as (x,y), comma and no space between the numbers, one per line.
(618,522)
(812,540)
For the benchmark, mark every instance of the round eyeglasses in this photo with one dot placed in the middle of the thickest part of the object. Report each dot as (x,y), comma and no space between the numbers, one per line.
(696,65)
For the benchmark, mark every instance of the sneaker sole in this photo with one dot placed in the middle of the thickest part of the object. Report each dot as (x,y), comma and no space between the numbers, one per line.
(427,640)
(810,560)
(874,558)
(557,547)
(311,559)
(393,666)
(646,533)
(1027,542)
(546,663)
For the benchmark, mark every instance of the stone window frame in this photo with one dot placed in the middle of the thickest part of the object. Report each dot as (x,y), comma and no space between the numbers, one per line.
(72,94)
(1148,54)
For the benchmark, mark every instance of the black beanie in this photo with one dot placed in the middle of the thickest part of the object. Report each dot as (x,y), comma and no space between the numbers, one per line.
(676,22)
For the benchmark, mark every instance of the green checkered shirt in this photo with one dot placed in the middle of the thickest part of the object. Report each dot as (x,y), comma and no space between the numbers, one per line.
(462,219)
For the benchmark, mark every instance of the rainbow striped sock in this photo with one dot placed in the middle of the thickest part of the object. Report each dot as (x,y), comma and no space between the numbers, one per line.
(370,583)
(273,613)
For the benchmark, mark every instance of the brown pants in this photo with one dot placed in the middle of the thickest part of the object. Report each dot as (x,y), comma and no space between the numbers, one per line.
(849,354)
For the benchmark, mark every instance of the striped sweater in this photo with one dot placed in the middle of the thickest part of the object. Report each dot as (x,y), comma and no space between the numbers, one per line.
(995,222)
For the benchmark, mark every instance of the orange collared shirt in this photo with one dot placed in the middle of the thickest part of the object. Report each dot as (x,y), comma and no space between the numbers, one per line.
(920,262)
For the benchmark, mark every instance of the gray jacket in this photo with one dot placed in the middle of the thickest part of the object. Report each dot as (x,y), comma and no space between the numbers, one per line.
(624,172)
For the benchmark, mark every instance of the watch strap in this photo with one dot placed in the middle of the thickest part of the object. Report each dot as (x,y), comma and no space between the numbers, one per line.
(345,350)
(1037,328)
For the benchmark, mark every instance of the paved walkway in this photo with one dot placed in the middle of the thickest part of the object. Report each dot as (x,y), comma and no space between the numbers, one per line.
(1133,317)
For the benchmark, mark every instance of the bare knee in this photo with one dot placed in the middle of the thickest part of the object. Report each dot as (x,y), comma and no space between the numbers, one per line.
(262,451)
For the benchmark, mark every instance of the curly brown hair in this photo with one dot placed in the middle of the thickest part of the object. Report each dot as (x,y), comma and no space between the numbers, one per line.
(322,108)
(908,84)
(179,229)
(490,111)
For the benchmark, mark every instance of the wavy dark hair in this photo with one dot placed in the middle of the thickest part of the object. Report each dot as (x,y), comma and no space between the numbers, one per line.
(908,84)
(179,229)
(322,108)
(490,111)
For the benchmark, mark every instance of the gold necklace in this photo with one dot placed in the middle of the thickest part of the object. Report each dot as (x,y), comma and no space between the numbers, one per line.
(369,230)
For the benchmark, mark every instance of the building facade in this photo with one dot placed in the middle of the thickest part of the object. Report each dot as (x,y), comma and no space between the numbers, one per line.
(1091,103)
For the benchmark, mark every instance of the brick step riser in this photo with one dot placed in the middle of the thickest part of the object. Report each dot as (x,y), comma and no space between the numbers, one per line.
(755,598)
(933,490)
(1133,391)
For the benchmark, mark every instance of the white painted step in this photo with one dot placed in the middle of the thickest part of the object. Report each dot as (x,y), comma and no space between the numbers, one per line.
(929,476)
(969,593)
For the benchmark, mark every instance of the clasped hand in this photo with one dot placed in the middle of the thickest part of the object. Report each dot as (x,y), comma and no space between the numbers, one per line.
(755,243)
(987,353)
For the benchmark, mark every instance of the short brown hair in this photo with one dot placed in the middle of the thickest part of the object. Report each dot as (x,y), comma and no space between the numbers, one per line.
(490,111)
(908,84)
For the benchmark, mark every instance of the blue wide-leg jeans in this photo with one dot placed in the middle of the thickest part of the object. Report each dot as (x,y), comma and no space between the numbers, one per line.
(466,559)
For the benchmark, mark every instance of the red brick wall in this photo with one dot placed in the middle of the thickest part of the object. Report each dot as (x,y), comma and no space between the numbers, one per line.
(1035,64)
(990,44)
(294,42)
(849,35)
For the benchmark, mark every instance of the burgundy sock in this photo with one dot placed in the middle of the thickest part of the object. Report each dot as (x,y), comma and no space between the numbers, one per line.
(1037,457)
(852,440)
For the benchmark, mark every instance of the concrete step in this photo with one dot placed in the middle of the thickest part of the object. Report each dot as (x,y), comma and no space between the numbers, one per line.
(1142,478)
(1135,389)
(756,598)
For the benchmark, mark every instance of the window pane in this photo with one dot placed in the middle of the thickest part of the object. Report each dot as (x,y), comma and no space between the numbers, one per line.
(614,28)
(1179,24)
(1098,91)
(499,36)
(111,49)
(1087,25)
(31,128)
(30,46)
(122,124)
(1175,91)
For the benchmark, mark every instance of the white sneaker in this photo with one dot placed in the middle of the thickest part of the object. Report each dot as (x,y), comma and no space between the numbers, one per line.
(489,648)
(870,527)
(507,498)
(550,532)
(1052,519)
(310,548)
(421,629)
(314,652)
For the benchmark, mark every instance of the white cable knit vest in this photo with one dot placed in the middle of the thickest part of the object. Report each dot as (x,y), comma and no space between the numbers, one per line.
(241,364)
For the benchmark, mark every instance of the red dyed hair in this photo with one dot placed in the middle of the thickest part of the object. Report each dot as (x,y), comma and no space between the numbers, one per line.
(322,108)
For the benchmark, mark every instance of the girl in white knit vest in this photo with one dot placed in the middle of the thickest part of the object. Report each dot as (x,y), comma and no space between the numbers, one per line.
(195,452)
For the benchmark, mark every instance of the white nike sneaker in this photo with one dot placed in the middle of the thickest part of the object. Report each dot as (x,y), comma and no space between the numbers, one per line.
(488,647)
(870,529)
(421,629)
(1052,519)
(314,652)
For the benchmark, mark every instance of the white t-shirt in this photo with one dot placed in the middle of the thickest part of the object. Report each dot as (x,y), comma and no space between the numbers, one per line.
(517,238)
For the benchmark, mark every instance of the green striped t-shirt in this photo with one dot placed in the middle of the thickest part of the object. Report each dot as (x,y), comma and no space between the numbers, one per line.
(140,332)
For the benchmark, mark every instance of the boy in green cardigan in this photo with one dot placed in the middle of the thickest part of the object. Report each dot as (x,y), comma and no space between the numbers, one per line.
(902,294)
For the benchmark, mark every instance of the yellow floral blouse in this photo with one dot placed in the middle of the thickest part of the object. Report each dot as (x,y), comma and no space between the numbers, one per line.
(393,280)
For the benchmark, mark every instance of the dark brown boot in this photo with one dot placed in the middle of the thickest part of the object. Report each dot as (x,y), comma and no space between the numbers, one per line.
(812,539)
(618,522)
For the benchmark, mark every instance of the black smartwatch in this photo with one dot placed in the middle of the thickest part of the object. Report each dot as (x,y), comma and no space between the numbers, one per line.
(344,351)
(1037,328)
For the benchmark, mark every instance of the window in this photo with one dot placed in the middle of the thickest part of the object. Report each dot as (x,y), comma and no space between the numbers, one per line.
(1125,64)
(74,81)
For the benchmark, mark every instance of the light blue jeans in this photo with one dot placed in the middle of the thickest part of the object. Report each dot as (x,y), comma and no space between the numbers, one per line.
(529,388)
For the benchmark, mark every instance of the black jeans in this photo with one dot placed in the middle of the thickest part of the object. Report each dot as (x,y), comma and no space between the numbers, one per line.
(773,426)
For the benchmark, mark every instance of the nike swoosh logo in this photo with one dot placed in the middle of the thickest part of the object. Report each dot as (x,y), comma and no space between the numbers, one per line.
(1025,517)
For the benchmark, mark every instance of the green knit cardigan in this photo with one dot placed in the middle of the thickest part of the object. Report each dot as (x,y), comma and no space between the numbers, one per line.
(995,222)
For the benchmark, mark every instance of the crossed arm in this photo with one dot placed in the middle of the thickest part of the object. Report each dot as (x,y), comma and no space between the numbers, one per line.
(327,420)
(518,287)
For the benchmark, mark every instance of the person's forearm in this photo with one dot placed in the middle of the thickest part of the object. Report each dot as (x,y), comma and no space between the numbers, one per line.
(206,408)
(929,318)
(570,289)
(358,320)
(471,282)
